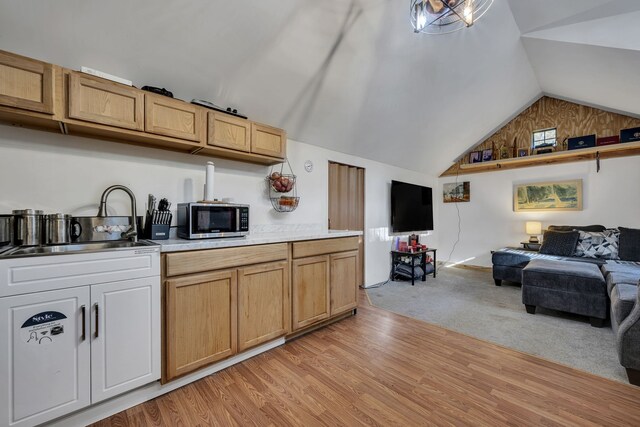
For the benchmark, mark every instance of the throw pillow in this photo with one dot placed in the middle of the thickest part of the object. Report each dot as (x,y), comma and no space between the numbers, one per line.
(560,243)
(602,245)
(629,244)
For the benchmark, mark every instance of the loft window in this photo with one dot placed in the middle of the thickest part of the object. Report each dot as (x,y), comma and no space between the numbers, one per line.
(544,138)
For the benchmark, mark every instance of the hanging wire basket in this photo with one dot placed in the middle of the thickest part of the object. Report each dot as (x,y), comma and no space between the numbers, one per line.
(283,191)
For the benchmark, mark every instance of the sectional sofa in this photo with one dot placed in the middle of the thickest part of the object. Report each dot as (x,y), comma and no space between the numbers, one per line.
(584,283)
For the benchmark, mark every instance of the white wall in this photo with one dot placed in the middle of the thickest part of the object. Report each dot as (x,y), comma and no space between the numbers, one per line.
(611,198)
(59,173)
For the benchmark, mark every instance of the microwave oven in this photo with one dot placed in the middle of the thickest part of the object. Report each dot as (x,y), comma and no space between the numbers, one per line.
(211,220)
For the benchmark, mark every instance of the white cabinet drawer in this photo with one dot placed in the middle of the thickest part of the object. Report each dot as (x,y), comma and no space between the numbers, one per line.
(44,273)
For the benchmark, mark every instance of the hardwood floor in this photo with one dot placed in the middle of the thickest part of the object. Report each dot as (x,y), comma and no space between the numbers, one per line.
(378,368)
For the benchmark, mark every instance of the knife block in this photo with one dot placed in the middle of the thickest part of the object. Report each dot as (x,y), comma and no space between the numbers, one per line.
(154,231)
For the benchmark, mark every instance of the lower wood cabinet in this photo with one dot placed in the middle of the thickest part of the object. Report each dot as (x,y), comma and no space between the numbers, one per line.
(263,303)
(324,282)
(201,321)
(212,315)
(310,290)
(344,281)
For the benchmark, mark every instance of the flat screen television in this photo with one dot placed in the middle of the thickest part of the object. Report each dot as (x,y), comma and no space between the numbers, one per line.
(411,207)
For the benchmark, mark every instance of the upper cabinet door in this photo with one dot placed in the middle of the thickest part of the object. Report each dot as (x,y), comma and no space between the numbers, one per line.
(106,103)
(174,118)
(229,132)
(268,141)
(26,83)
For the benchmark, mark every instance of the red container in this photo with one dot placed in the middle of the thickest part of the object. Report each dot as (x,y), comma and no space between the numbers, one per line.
(608,140)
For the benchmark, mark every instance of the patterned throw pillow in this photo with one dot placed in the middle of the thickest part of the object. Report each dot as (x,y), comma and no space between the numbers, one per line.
(598,245)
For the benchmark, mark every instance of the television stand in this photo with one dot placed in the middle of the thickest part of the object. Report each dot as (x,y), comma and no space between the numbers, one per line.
(395,260)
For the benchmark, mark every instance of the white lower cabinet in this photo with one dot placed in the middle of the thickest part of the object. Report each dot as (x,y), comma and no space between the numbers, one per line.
(45,357)
(69,348)
(125,350)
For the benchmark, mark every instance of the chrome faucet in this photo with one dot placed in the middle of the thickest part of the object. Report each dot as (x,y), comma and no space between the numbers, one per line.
(132,233)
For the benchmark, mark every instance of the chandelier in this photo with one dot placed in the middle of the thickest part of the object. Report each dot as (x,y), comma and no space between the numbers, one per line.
(446,16)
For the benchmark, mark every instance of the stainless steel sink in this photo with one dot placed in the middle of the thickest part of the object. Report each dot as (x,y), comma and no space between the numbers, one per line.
(76,248)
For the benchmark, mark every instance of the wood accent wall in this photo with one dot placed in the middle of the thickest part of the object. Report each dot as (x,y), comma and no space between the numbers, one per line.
(569,118)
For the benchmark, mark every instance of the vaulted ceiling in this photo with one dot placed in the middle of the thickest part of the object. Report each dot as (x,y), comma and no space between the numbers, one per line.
(349,75)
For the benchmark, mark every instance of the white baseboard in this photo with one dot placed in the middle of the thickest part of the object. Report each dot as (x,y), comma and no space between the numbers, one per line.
(135,397)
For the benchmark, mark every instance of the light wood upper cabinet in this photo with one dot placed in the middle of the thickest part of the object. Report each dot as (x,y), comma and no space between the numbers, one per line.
(344,281)
(263,303)
(171,117)
(26,83)
(201,321)
(230,132)
(268,141)
(310,290)
(107,103)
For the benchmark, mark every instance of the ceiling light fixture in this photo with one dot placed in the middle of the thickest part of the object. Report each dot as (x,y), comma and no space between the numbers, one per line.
(446,16)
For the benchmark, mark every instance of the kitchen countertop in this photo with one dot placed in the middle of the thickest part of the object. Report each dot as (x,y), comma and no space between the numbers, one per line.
(176,245)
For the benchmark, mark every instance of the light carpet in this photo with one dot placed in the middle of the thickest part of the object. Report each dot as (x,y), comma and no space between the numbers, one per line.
(467,301)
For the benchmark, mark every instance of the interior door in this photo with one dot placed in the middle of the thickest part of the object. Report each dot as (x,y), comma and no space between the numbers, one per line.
(125,334)
(45,358)
(346,204)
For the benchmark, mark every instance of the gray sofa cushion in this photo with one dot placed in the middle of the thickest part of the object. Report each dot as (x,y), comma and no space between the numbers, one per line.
(564,276)
(620,266)
(577,227)
(629,244)
(623,298)
(616,278)
(512,257)
(561,243)
(575,287)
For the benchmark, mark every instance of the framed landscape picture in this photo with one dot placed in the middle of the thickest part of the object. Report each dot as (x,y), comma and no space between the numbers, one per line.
(548,196)
(456,192)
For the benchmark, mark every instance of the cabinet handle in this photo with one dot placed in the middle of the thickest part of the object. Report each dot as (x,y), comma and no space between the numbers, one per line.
(83,309)
(97,317)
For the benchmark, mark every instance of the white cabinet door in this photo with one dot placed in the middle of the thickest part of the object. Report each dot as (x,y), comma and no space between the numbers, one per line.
(44,357)
(125,336)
